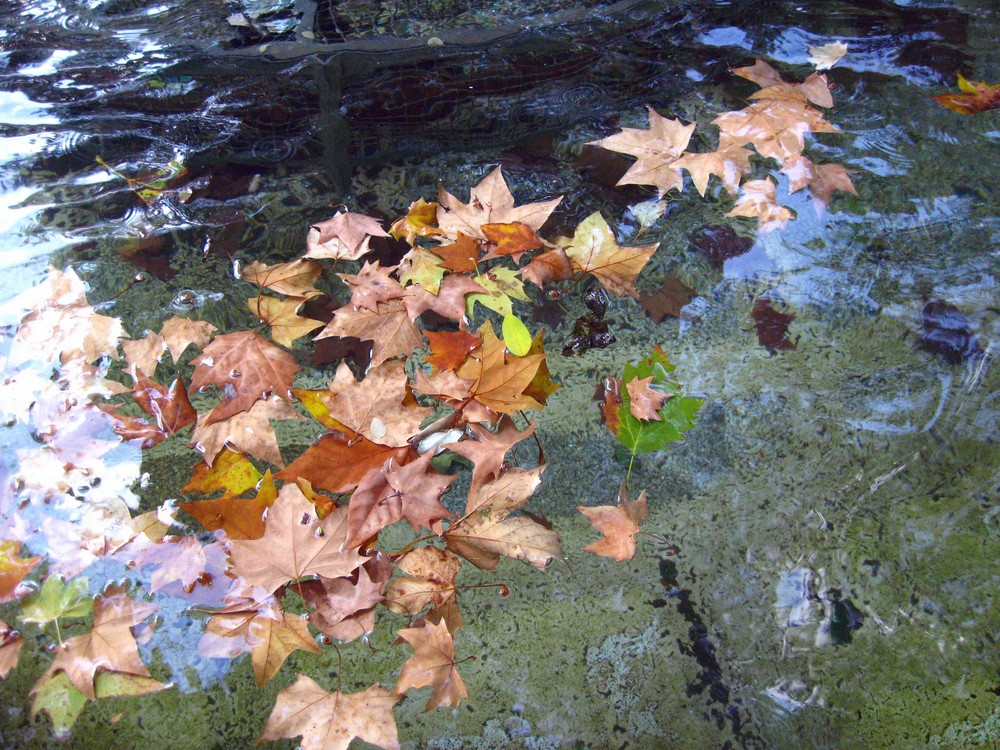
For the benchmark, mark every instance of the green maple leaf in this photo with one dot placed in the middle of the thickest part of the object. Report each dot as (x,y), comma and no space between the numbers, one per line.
(677,413)
(58,599)
(503,285)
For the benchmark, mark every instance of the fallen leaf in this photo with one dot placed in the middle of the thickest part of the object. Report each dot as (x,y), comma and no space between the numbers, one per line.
(336,463)
(771,325)
(432,663)
(422,267)
(619,524)
(282,315)
(248,366)
(57,599)
(241,519)
(644,402)
(143,354)
(775,127)
(248,431)
(329,721)
(389,328)
(372,285)
(729,163)
(180,333)
(826,56)
(814,89)
(420,221)
(170,407)
(10,649)
(296,543)
(490,202)
(449,349)
(759,200)
(672,295)
(978,97)
(374,407)
(657,149)
(512,238)
(720,242)
(460,256)
(343,237)
(499,383)
(429,582)
(487,449)
(343,606)
(594,250)
(13,569)
(295,279)
(264,631)
(231,472)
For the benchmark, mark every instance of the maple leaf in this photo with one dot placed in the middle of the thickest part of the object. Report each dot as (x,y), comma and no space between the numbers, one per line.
(672,295)
(389,328)
(512,238)
(57,599)
(656,148)
(177,559)
(170,407)
(372,285)
(293,279)
(619,524)
(230,472)
(329,721)
(490,202)
(814,89)
(180,333)
(826,56)
(499,384)
(420,221)
(337,463)
(13,569)
(977,97)
(487,449)
(594,250)
(10,648)
(432,663)
(344,607)
(449,302)
(248,431)
(486,531)
(771,325)
(775,127)
(552,265)
(375,406)
(109,645)
(296,543)
(282,315)
(460,256)
(449,349)
(393,492)
(759,200)
(729,163)
(249,365)
(343,237)
(644,402)
(241,519)
(143,354)
(429,581)
(501,285)
(261,629)
(420,266)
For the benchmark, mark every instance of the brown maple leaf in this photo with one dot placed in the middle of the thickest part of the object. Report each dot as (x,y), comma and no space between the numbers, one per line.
(393,492)
(261,629)
(247,365)
(109,645)
(775,127)
(619,524)
(296,543)
(771,325)
(337,462)
(449,302)
(487,449)
(645,403)
(143,354)
(672,295)
(594,250)
(487,530)
(10,648)
(814,89)
(499,382)
(432,663)
(329,721)
(429,581)
(389,328)
(170,407)
(372,285)
(552,265)
(460,256)
(180,333)
(282,315)
(376,406)
(729,163)
(759,200)
(293,279)
(657,149)
(249,431)
(344,607)
(449,349)
(490,202)
(343,237)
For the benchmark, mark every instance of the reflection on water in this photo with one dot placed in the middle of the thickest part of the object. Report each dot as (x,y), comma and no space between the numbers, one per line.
(835,510)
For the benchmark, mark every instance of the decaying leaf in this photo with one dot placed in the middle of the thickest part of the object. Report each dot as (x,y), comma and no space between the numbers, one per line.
(432,663)
(976,97)
(619,524)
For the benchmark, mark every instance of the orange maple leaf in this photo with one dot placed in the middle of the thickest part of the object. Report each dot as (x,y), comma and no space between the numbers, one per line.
(389,328)
(499,381)
(978,97)
(619,524)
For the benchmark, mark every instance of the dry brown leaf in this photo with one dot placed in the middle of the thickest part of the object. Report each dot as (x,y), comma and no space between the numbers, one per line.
(432,663)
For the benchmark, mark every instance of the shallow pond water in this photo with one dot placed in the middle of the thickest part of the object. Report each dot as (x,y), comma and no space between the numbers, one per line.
(826,575)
